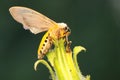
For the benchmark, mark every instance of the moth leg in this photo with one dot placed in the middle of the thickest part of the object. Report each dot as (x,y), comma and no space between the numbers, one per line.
(68,43)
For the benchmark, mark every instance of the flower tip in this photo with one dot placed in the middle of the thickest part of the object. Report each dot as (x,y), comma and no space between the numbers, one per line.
(35,65)
(78,49)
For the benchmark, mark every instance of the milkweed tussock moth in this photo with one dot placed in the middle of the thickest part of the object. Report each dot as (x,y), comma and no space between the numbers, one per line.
(37,23)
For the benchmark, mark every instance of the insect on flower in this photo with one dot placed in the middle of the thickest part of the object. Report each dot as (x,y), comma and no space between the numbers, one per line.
(36,23)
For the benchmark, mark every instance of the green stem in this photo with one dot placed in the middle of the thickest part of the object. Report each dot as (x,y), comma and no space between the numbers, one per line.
(64,66)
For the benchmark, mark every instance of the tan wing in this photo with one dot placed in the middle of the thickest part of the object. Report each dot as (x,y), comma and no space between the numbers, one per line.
(31,20)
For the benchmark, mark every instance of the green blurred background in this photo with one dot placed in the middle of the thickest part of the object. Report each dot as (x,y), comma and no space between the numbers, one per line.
(95,24)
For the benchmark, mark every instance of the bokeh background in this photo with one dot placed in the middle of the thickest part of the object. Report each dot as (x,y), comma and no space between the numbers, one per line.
(95,24)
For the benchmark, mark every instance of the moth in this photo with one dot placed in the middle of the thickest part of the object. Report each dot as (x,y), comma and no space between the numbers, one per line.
(37,23)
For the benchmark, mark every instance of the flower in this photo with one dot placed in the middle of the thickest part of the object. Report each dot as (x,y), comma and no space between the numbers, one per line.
(63,61)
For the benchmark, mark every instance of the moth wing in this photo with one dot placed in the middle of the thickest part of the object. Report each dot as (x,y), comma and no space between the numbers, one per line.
(31,19)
